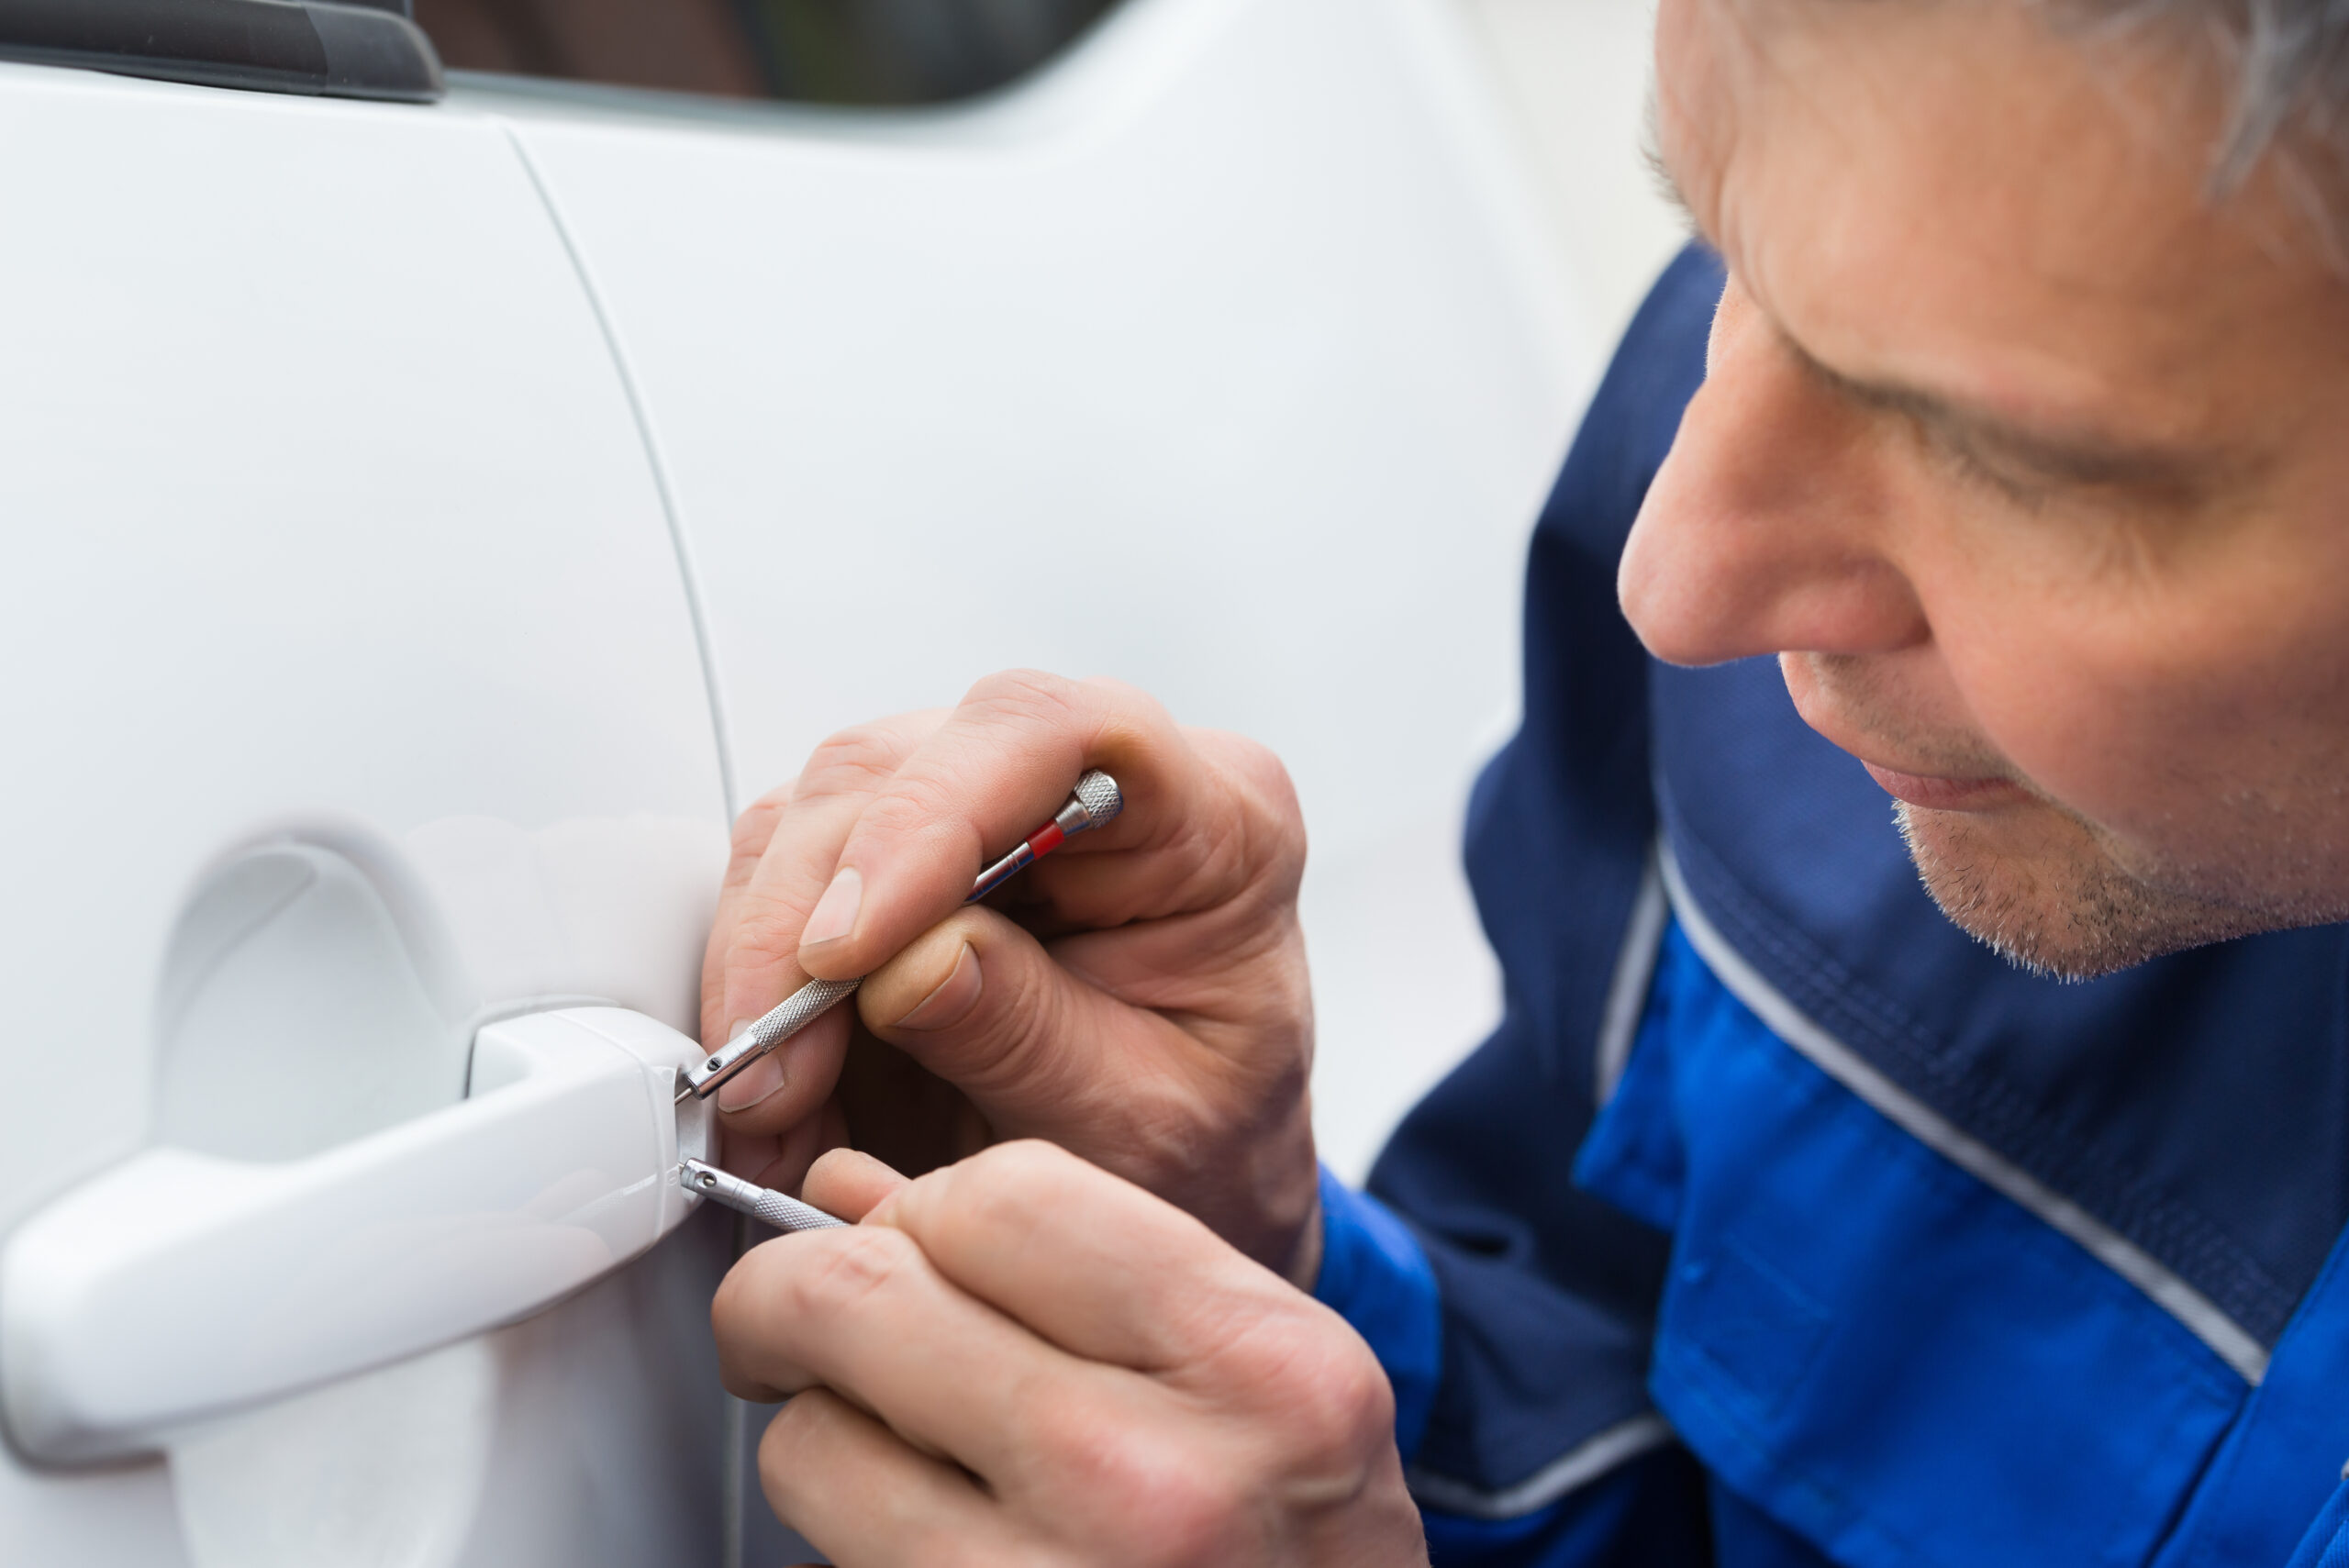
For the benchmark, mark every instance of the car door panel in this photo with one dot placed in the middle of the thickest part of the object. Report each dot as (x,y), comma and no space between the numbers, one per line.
(334,544)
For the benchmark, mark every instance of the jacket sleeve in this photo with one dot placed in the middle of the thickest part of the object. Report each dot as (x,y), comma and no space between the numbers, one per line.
(1511,1309)
(1637,1515)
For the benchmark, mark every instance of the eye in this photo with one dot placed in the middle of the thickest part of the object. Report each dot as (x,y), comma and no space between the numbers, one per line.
(1962,458)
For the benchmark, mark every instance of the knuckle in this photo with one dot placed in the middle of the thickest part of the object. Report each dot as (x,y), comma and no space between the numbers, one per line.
(1253,836)
(854,1266)
(1003,1192)
(753,833)
(1021,695)
(1263,770)
(1189,1509)
(1013,1178)
(1018,1028)
(765,932)
(1333,1404)
(1177,1498)
(754,829)
(1125,691)
(1269,809)
(919,804)
(854,758)
(1349,1411)
(1127,711)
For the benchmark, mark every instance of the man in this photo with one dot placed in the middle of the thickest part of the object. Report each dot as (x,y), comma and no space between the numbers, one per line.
(1784,1220)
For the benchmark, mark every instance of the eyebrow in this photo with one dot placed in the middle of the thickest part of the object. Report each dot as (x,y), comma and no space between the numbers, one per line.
(2086,459)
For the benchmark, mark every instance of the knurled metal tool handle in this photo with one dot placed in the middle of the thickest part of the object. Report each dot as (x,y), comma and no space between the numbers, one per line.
(799,1009)
(749,1197)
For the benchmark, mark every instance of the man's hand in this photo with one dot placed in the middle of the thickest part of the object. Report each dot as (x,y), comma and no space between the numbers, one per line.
(1021,1359)
(1139,997)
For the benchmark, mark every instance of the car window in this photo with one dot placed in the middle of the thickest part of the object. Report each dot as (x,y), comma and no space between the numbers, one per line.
(823,52)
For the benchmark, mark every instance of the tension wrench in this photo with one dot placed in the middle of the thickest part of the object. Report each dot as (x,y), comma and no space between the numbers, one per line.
(783,1212)
(1095,801)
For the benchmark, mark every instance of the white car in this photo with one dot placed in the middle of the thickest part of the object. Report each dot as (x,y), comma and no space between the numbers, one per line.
(428,519)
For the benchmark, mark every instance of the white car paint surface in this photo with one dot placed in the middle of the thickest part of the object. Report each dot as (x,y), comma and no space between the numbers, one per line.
(330,534)
(391,488)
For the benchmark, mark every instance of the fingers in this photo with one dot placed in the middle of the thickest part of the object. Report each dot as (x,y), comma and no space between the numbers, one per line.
(780,1088)
(781,1160)
(1093,1264)
(1237,1418)
(848,1184)
(1118,1044)
(999,766)
(866,1497)
(753,831)
(862,1312)
(979,1002)
(792,844)
(878,839)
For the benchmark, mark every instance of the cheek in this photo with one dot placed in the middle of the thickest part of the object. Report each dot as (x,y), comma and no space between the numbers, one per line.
(2067,724)
(2146,723)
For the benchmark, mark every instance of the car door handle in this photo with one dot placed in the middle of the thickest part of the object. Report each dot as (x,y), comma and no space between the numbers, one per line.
(180,1286)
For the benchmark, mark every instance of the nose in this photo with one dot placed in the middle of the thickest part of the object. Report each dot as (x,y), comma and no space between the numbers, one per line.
(1764,531)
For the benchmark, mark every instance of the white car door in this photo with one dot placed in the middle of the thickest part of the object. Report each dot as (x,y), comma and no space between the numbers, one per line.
(351,701)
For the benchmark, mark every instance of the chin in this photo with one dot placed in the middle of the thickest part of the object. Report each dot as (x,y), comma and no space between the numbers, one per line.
(2046,892)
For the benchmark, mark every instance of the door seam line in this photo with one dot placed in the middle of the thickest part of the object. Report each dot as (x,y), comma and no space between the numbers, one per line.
(705,644)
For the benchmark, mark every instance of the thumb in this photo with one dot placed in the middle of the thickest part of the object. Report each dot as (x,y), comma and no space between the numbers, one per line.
(849,1184)
(979,1002)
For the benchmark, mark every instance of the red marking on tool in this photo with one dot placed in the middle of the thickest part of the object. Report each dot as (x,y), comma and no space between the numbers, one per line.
(1047,838)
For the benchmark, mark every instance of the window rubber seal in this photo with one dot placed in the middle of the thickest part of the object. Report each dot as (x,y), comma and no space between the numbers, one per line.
(357,51)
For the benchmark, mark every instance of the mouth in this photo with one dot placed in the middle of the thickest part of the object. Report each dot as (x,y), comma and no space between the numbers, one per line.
(1833,698)
(1935,792)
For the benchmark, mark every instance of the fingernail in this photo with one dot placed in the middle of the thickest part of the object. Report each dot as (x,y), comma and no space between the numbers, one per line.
(734,1031)
(955,995)
(834,916)
(752,1085)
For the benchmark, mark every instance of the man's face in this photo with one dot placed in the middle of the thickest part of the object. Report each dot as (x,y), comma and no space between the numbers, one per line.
(2029,465)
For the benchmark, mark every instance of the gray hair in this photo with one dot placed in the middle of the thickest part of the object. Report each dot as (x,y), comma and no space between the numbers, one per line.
(2290,65)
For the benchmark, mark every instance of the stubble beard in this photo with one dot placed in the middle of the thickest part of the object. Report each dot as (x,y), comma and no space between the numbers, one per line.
(2063,908)
(2054,892)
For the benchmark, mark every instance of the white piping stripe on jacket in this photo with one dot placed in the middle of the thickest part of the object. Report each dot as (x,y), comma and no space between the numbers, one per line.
(1577,1468)
(1626,992)
(2201,1316)
(1627,997)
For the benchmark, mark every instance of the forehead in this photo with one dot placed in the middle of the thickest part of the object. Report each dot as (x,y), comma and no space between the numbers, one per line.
(1958,196)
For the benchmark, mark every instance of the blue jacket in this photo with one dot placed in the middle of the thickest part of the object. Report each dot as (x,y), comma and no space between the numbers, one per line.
(1780,1223)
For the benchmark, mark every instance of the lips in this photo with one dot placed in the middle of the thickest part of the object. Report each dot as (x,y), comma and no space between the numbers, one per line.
(1834,693)
(1935,793)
